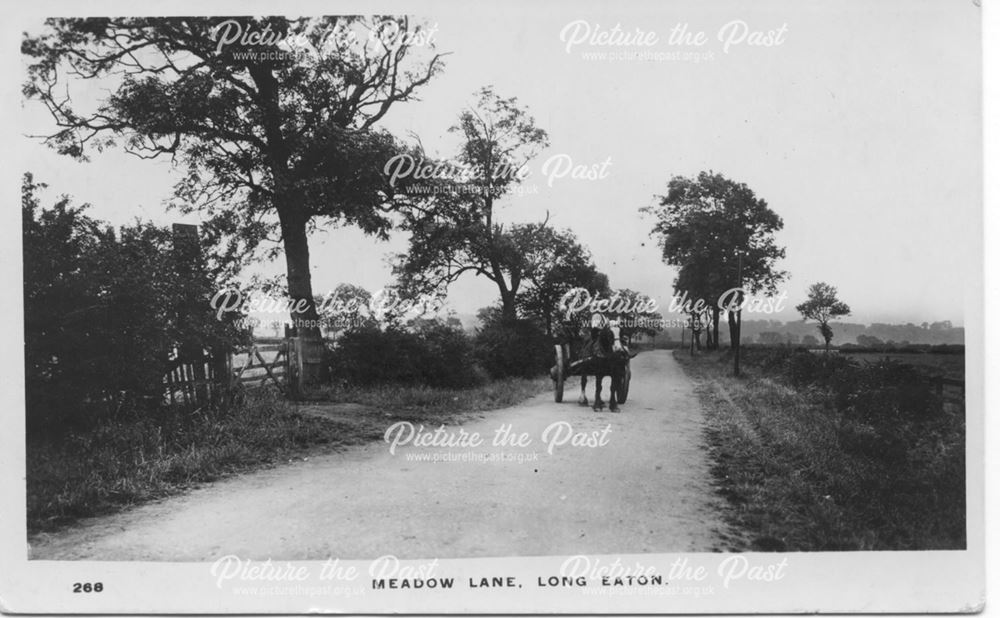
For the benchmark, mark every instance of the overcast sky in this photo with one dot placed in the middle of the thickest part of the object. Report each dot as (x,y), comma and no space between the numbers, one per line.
(861,130)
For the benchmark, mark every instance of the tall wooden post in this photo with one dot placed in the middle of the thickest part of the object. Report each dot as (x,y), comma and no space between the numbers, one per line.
(306,356)
(190,265)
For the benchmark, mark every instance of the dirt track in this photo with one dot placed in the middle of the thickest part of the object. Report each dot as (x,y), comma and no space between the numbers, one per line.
(646,490)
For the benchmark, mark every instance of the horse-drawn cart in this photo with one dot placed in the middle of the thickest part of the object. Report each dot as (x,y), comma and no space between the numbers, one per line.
(566,366)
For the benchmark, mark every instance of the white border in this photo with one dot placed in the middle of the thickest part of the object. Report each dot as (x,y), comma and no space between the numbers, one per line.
(845,582)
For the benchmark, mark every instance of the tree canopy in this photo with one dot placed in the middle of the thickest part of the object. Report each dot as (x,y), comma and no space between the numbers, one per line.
(453,227)
(553,262)
(720,236)
(270,135)
(822,305)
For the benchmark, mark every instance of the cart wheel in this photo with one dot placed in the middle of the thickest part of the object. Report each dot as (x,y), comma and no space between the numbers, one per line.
(560,374)
(623,391)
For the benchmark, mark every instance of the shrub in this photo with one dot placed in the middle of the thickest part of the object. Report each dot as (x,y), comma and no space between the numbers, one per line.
(446,357)
(884,394)
(434,354)
(515,348)
(103,310)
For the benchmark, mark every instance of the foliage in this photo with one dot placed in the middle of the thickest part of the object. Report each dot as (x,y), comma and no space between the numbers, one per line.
(454,231)
(823,305)
(270,139)
(347,307)
(554,263)
(435,354)
(511,348)
(885,394)
(770,338)
(103,312)
(868,341)
(720,236)
(816,452)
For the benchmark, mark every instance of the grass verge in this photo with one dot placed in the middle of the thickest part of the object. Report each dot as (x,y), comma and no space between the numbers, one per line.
(439,405)
(782,459)
(124,462)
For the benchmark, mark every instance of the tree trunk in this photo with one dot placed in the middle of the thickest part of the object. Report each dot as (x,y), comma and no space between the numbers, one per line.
(312,365)
(300,292)
(715,327)
(508,309)
(733,338)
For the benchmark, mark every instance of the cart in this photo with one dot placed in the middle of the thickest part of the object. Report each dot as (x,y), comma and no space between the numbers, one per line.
(566,366)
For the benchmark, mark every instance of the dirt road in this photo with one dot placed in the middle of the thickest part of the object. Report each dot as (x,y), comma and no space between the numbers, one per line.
(646,489)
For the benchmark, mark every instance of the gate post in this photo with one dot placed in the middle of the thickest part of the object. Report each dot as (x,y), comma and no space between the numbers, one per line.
(305,363)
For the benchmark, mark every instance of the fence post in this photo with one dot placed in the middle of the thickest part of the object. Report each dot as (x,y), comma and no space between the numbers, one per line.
(221,364)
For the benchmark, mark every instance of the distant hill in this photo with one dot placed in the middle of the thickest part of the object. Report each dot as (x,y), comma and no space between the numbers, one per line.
(845,332)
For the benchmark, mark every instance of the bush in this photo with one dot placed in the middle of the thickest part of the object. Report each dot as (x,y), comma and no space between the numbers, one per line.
(888,392)
(884,405)
(103,310)
(516,348)
(434,354)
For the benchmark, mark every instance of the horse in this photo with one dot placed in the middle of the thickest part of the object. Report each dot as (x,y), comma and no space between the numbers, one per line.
(607,358)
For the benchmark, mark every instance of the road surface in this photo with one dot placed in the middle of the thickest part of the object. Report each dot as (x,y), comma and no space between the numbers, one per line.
(646,489)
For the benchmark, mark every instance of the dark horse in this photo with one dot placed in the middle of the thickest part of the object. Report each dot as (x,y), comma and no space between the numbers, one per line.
(607,357)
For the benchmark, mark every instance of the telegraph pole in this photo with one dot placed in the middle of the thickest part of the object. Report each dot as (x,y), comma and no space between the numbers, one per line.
(739,312)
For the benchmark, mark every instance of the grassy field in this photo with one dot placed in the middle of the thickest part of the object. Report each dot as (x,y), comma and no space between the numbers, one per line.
(948,365)
(126,462)
(799,476)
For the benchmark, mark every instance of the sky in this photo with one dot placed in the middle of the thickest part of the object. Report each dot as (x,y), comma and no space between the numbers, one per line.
(861,129)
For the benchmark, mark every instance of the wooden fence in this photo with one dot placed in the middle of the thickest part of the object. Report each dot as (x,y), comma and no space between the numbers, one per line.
(199,381)
(192,381)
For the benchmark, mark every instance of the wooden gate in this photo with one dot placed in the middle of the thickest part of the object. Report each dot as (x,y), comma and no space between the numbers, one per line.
(193,382)
(257,371)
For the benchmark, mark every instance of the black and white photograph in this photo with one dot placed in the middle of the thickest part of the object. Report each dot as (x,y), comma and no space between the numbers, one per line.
(523,307)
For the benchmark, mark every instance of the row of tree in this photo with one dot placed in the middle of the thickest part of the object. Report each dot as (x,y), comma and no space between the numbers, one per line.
(720,237)
(273,145)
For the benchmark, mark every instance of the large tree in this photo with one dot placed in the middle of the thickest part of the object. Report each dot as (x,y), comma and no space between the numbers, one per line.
(271,120)
(822,305)
(454,231)
(720,235)
(553,262)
